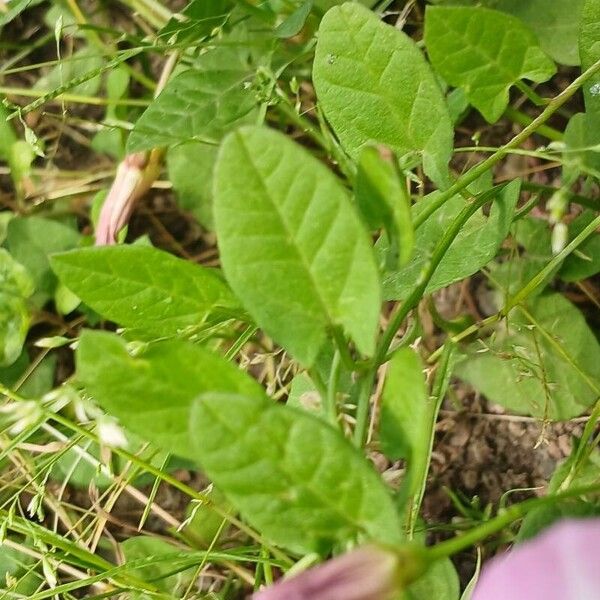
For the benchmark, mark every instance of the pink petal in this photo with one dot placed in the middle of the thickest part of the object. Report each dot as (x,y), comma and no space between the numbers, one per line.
(563,563)
(369,573)
(133,179)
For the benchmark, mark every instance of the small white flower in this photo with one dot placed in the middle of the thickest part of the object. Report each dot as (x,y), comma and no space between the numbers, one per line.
(110,433)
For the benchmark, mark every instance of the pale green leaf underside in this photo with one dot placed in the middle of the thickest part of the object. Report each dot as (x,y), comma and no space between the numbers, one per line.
(475,246)
(484,52)
(145,288)
(527,373)
(197,105)
(151,393)
(292,247)
(375,86)
(292,476)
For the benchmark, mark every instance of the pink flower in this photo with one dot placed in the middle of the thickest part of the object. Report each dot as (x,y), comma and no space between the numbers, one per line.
(135,175)
(562,563)
(368,573)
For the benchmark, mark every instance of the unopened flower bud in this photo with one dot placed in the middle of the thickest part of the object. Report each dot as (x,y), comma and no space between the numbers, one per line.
(368,573)
(135,175)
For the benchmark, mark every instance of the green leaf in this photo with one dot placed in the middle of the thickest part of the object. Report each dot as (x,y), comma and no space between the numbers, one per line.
(291,475)
(475,246)
(585,261)
(484,52)
(375,86)
(292,247)
(15,8)
(405,425)
(81,63)
(555,22)
(190,167)
(31,240)
(203,524)
(145,288)
(151,392)
(197,105)
(534,236)
(577,159)
(32,381)
(589,51)
(545,366)
(159,573)
(383,200)
(293,24)
(18,566)
(200,18)
(440,581)
(16,286)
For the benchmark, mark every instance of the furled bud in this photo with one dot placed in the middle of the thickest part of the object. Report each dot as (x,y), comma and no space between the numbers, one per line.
(562,563)
(368,573)
(135,175)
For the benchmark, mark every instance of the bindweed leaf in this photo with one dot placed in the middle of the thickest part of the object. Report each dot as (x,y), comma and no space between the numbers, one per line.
(555,22)
(200,104)
(31,240)
(586,261)
(383,200)
(406,422)
(484,52)
(440,581)
(141,547)
(151,392)
(291,475)
(16,286)
(295,22)
(589,51)
(292,247)
(475,246)
(146,289)
(190,167)
(375,86)
(542,362)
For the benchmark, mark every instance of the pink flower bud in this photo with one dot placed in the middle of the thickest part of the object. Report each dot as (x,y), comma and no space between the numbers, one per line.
(135,175)
(562,563)
(368,573)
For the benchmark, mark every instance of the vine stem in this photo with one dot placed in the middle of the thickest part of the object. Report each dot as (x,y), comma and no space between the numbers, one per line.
(462,182)
(381,354)
(413,299)
(510,515)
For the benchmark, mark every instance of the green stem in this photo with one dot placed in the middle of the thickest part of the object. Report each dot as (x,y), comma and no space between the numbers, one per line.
(365,385)
(75,98)
(515,512)
(462,182)
(584,447)
(531,93)
(440,250)
(522,119)
(331,397)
